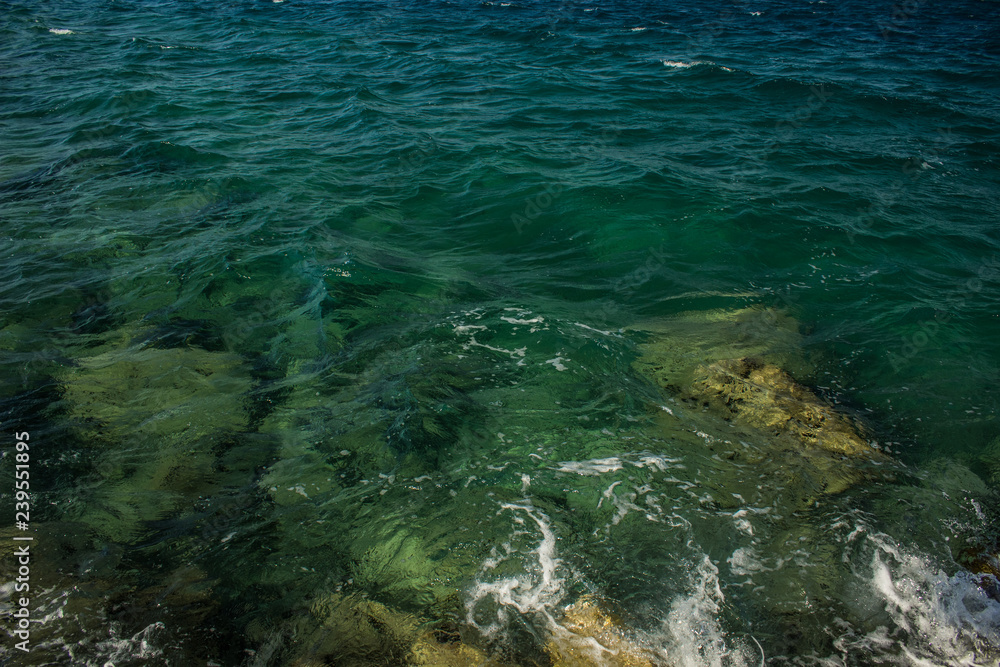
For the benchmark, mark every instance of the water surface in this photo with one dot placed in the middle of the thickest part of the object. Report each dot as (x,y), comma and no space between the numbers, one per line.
(336,328)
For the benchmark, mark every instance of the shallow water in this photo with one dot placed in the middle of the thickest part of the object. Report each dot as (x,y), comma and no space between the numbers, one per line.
(377,333)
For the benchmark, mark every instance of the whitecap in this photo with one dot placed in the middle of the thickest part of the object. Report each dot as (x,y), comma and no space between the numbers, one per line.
(692,634)
(557,362)
(514,320)
(657,462)
(606,333)
(941,618)
(679,64)
(592,468)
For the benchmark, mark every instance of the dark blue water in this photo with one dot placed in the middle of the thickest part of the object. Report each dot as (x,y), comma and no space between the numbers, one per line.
(436,333)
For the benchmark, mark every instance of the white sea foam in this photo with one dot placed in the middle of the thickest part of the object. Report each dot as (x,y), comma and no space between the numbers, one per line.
(936,618)
(606,333)
(522,318)
(535,592)
(591,467)
(60,31)
(740,520)
(692,623)
(657,462)
(692,635)
(678,64)
(624,503)
(471,330)
(514,320)
(745,562)
(595,467)
(557,362)
(143,645)
(911,612)
(519,352)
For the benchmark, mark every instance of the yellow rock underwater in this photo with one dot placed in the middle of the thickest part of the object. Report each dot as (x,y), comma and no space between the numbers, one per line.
(352,631)
(766,397)
(348,630)
(674,348)
(734,364)
(589,636)
(430,651)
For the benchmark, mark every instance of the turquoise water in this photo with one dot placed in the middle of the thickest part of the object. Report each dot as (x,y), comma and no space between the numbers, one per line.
(377,333)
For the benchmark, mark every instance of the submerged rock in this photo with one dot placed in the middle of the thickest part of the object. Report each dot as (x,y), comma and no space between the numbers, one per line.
(589,636)
(765,397)
(675,348)
(344,630)
(178,394)
(733,363)
(348,630)
(157,419)
(439,650)
(397,566)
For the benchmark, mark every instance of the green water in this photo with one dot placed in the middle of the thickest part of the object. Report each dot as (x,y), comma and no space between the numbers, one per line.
(348,333)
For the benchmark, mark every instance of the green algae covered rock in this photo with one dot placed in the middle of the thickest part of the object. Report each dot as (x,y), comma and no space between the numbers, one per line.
(323,444)
(174,394)
(446,650)
(420,567)
(156,418)
(675,348)
(349,630)
(340,630)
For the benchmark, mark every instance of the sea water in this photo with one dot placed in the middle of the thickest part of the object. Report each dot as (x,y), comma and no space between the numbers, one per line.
(393,332)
